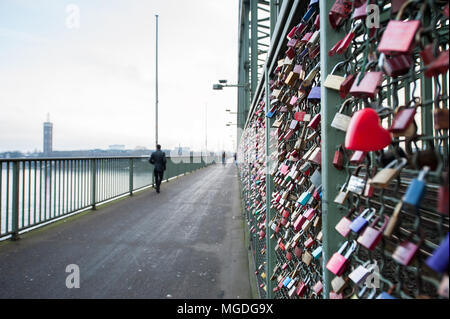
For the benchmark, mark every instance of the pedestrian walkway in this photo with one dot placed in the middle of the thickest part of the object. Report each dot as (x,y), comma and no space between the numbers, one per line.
(187,242)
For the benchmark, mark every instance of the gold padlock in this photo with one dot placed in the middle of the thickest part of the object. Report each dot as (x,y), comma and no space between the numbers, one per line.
(291,79)
(387,174)
(341,121)
(334,81)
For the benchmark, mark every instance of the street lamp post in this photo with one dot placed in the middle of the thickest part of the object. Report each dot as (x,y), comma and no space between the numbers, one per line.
(156,94)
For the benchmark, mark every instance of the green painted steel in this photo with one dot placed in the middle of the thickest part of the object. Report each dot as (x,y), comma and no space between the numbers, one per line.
(330,176)
(34,192)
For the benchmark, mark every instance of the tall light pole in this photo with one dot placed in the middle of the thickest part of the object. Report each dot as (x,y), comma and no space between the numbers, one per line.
(156,83)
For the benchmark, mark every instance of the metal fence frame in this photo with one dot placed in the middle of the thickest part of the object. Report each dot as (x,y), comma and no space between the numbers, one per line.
(331,178)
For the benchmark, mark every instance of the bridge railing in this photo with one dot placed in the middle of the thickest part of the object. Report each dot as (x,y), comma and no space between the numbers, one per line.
(37,191)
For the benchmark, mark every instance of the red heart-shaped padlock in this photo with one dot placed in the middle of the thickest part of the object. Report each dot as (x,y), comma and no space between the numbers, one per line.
(365,132)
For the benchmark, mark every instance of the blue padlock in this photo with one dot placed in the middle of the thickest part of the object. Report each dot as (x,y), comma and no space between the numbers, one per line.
(416,190)
(439,260)
(360,222)
(286,281)
(308,15)
(385,295)
(305,197)
(317,253)
(272,112)
(314,94)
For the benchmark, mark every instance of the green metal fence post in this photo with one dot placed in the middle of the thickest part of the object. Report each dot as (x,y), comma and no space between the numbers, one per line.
(270,252)
(330,138)
(93,183)
(15,201)
(131,175)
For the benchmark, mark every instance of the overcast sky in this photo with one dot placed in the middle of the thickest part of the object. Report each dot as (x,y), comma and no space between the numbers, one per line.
(97,80)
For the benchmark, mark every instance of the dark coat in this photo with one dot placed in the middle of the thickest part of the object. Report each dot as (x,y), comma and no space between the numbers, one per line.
(158,159)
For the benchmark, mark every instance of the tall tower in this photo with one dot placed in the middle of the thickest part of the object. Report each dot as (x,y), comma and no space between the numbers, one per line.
(48,136)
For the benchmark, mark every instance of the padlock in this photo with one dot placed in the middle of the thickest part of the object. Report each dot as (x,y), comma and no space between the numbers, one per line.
(343,226)
(347,40)
(360,222)
(361,272)
(298,252)
(291,79)
(416,190)
(403,119)
(339,283)
(369,85)
(438,66)
(333,81)
(302,287)
(393,220)
(406,251)
(358,157)
(334,48)
(441,119)
(399,36)
(299,223)
(342,195)
(319,236)
(312,9)
(316,178)
(314,94)
(318,288)
(286,281)
(334,295)
(397,65)
(360,12)
(372,236)
(384,177)
(339,12)
(341,121)
(314,39)
(314,122)
(338,159)
(439,260)
(311,75)
(337,264)
(345,87)
(387,294)
(357,184)
(443,286)
(317,253)
(317,22)
(309,242)
(316,158)
(307,257)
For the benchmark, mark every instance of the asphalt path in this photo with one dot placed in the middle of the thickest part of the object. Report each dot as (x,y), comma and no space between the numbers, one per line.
(186,242)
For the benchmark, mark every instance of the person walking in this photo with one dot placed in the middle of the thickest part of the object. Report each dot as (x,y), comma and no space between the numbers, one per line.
(223,158)
(158,159)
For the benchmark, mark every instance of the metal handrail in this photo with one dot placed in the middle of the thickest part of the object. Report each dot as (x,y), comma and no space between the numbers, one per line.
(36,191)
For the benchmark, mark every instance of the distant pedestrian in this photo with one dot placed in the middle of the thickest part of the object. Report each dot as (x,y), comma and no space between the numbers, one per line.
(158,159)
(223,158)
(235,158)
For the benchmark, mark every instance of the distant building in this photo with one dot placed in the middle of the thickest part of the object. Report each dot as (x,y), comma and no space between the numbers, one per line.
(117,147)
(48,137)
(181,151)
